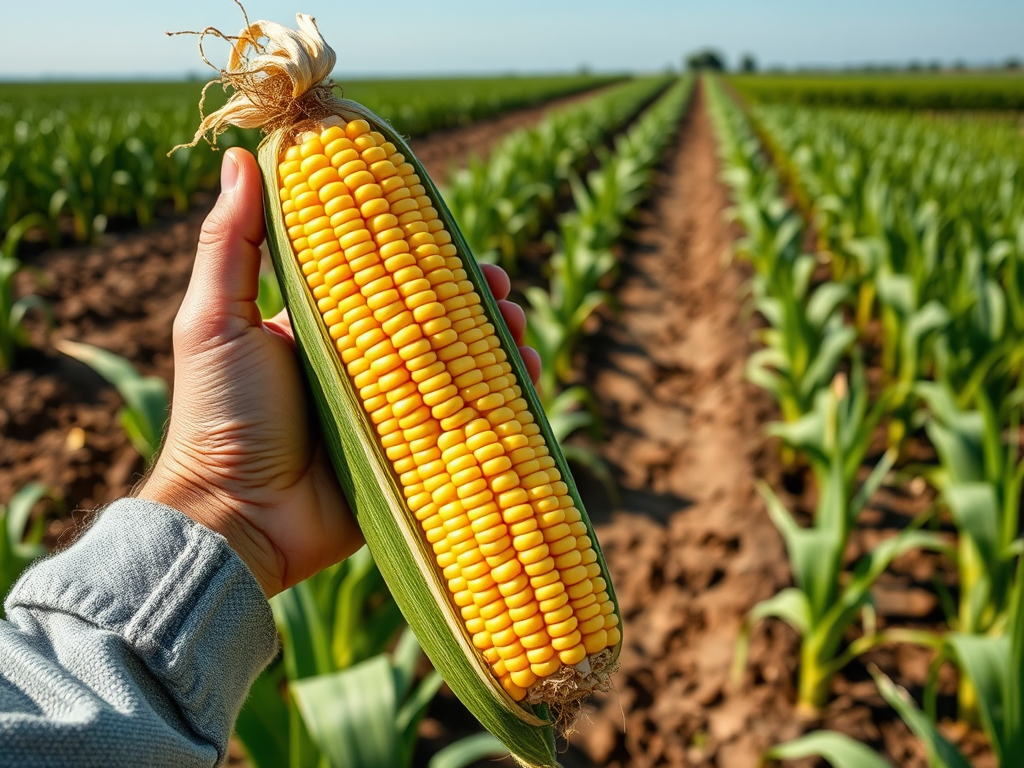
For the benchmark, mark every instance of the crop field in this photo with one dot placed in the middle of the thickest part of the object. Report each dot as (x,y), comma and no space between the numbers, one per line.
(781,326)
(969,91)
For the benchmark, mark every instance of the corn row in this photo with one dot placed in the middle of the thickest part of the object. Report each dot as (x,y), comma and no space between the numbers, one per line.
(444,401)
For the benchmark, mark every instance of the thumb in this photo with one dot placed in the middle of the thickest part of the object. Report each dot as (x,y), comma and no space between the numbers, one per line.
(225,278)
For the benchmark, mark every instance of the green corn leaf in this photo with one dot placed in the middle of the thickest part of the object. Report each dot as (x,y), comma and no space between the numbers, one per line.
(351,715)
(147,398)
(405,658)
(467,751)
(305,636)
(18,511)
(988,664)
(976,512)
(823,367)
(790,605)
(412,711)
(813,556)
(268,299)
(940,751)
(824,302)
(837,748)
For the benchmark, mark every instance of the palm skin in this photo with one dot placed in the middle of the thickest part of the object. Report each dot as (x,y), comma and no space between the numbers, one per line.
(242,454)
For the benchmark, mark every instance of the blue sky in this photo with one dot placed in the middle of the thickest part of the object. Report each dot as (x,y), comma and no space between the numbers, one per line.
(102,38)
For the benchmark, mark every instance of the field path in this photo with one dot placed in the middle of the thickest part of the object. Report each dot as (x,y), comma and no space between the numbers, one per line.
(690,548)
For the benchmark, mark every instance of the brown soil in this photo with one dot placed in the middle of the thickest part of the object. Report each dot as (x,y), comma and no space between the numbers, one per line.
(690,548)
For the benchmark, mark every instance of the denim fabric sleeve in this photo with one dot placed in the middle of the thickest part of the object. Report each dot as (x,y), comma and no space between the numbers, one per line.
(136,646)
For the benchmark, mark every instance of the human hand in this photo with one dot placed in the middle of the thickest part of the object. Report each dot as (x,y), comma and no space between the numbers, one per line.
(243,455)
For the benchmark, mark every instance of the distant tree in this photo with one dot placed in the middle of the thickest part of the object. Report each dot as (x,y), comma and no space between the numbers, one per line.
(915,66)
(748,63)
(706,59)
(1013,63)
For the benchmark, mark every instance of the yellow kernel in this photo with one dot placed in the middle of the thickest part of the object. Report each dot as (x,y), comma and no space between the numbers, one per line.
(572,656)
(528,543)
(545,668)
(523,612)
(540,655)
(566,642)
(566,546)
(529,625)
(536,640)
(515,692)
(592,625)
(516,664)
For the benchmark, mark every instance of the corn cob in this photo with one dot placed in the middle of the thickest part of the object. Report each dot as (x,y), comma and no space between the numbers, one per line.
(435,382)
(436,433)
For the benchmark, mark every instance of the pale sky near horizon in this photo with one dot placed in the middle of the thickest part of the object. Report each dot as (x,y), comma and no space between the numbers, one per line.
(104,38)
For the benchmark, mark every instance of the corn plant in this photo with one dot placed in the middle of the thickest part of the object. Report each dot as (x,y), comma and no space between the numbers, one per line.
(980,482)
(843,752)
(501,203)
(146,398)
(13,311)
(994,665)
(805,340)
(20,540)
(827,598)
(837,423)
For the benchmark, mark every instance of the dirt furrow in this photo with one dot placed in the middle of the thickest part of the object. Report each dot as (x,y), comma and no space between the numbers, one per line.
(690,547)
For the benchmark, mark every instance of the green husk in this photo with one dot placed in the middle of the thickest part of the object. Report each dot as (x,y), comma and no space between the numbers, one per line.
(376,498)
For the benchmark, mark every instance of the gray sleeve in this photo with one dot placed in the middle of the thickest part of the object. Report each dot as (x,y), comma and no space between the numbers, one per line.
(134,647)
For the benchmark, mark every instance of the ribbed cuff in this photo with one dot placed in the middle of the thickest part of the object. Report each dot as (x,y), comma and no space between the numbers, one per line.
(180,597)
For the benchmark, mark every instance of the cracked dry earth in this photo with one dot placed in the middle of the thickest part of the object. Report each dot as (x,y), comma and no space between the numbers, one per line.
(690,546)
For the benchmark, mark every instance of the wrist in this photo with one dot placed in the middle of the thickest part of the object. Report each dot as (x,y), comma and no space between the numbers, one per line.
(203,502)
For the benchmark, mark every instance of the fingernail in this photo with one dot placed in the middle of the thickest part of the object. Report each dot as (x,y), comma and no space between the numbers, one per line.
(228,173)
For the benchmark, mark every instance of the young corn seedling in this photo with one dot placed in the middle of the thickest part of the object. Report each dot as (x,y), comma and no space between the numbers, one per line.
(994,666)
(437,436)
(839,423)
(13,334)
(146,398)
(806,338)
(500,204)
(827,597)
(979,480)
(909,329)
(20,542)
(843,752)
